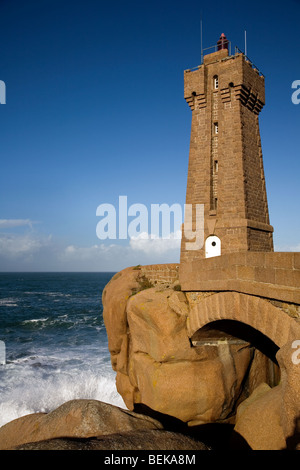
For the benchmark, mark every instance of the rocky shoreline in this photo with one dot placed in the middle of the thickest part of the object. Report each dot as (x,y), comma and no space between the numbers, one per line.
(92,425)
(179,396)
(205,378)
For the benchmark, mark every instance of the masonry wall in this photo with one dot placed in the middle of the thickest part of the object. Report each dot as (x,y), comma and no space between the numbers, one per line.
(157,273)
(225,171)
(271,275)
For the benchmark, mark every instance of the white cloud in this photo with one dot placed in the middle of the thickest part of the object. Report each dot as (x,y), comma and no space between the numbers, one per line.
(33,251)
(88,252)
(144,243)
(154,244)
(100,257)
(16,245)
(144,249)
(284,248)
(12,223)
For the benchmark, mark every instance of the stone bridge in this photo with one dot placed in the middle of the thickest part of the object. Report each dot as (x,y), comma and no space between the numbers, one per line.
(256,288)
(259,289)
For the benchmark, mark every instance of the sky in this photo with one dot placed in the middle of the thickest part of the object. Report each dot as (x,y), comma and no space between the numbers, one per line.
(95,110)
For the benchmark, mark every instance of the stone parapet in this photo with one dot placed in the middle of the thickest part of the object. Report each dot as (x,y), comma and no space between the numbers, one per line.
(161,272)
(265,274)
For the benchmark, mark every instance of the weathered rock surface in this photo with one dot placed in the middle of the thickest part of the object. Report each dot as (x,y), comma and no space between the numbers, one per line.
(115,297)
(258,419)
(270,418)
(137,440)
(288,359)
(147,331)
(74,419)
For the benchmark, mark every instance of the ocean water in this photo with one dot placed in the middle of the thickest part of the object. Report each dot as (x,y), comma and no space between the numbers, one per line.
(55,342)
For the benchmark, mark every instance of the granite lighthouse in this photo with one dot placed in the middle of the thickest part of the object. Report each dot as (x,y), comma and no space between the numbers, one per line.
(225,173)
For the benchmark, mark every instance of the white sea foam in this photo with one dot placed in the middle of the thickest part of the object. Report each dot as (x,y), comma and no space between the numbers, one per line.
(34,320)
(8,302)
(47,293)
(54,352)
(29,390)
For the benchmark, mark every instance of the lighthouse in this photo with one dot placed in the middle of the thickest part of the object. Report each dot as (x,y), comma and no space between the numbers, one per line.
(226,94)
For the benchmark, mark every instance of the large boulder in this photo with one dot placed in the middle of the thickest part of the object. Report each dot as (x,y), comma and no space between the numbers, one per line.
(196,385)
(114,297)
(131,440)
(289,360)
(155,362)
(258,419)
(270,418)
(74,419)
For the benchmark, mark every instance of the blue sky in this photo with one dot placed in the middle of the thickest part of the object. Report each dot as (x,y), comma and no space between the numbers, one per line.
(95,109)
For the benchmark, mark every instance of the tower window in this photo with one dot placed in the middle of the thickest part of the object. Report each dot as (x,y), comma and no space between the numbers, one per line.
(216,166)
(216,82)
(216,128)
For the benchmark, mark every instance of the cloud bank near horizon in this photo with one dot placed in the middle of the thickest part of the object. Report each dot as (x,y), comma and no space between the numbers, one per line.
(32,251)
(23,248)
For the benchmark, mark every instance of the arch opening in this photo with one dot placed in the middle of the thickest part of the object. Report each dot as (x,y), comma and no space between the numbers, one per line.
(234,333)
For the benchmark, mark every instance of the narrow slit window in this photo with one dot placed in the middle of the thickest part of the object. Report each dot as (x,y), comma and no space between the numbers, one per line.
(216,128)
(216,82)
(216,166)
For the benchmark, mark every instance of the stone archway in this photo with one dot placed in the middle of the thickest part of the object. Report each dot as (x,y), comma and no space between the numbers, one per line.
(283,330)
(254,311)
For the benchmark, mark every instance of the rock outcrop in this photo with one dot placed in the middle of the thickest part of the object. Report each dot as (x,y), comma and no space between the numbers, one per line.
(132,440)
(160,365)
(270,418)
(289,362)
(155,362)
(92,425)
(81,419)
(258,419)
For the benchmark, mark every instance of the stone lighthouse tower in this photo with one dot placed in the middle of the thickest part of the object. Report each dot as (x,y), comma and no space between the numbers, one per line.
(225,173)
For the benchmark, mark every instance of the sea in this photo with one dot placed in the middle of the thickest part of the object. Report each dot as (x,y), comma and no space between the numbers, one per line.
(53,342)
